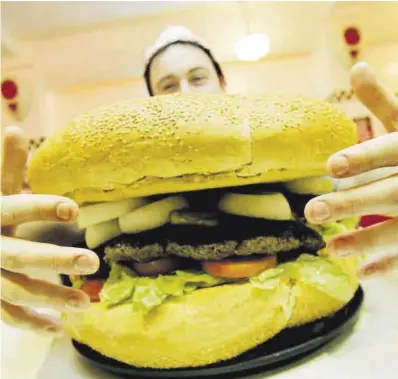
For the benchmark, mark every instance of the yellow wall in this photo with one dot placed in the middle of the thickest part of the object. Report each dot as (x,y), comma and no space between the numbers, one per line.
(53,63)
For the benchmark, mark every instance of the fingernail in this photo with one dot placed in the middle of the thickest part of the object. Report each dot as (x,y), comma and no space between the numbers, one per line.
(365,272)
(371,270)
(379,267)
(340,165)
(342,246)
(84,264)
(320,211)
(64,211)
(74,303)
(54,329)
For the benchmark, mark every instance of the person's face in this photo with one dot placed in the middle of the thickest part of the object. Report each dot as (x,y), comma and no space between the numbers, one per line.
(183,68)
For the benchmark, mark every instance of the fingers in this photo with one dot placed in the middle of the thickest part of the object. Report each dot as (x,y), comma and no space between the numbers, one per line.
(379,264)
(366,177)
(380,242)
(15,153)
(18,209)
(380,197)
(379,152)
(26,318)
(375,96)
(374,239)
(19,289)
(18,255)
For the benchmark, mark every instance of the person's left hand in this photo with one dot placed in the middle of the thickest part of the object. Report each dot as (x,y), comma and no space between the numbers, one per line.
(380,241)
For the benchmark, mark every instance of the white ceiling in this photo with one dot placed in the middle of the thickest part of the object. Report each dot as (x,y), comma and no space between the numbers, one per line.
(38,19)
(35,29)
(288,24)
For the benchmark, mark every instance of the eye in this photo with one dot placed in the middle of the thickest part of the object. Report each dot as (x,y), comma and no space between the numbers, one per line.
(197,79)
(169,87)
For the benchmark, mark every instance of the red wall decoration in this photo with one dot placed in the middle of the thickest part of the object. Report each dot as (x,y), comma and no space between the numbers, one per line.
(10,92)
(352,39)
(16,97)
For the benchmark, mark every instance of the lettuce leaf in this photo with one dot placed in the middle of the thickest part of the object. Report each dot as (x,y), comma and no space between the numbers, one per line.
(78,283)
(330,229)
(318,272)
(119,286)
(351,223)
(268,279)
(321,274)
(274,278)
(146,293)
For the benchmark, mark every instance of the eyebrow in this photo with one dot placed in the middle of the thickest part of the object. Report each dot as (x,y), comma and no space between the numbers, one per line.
(192,70)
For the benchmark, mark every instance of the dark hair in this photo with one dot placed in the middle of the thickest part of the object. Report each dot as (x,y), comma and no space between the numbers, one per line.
(216,65)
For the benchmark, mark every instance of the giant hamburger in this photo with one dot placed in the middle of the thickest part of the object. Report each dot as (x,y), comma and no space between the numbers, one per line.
(195,205)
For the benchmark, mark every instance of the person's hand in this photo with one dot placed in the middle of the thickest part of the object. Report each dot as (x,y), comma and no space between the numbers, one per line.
(19,292)
(378,197)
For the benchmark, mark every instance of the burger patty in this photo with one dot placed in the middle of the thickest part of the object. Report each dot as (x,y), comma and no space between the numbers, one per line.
(233,236)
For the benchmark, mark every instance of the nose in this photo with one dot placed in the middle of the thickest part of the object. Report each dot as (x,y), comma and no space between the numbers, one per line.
(185,87)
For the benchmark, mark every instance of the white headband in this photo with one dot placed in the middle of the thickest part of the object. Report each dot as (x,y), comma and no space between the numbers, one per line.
(172,34)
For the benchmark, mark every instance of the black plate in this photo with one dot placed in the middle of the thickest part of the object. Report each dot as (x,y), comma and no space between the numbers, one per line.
(290,345)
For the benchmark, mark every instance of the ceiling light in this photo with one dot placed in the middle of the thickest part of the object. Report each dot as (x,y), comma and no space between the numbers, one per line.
(252,47)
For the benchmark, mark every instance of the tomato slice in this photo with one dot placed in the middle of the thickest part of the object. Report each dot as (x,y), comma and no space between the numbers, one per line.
(92,288)
(372,220)
(239,268)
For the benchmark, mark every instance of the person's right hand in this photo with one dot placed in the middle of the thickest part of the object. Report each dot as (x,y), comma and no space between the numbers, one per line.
(19,292)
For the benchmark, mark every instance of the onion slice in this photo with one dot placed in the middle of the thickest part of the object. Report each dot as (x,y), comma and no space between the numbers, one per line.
(311,186)
(97,234)
(272,206)
(97,213)
(151,216)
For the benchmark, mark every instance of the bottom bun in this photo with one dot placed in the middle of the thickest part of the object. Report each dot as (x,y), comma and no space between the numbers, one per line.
(203,327)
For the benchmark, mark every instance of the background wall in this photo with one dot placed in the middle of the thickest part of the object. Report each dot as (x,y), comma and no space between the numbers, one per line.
(74,56)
